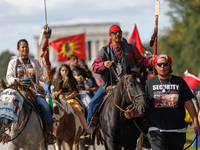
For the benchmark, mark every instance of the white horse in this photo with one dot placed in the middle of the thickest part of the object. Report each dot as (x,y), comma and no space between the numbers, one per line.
(18,115)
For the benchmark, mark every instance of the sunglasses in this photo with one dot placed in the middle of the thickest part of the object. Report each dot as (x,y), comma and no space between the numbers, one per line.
(164,64)
(115,32)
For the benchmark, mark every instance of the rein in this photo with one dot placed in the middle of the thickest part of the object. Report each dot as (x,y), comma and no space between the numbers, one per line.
(22,128)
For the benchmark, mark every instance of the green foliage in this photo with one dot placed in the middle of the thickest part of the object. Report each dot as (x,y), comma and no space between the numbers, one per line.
(4,60)
(182,40)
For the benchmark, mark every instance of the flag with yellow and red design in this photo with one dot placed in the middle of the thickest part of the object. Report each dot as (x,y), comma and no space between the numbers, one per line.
(70,45)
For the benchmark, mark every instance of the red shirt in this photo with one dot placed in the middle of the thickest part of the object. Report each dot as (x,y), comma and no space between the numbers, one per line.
(98,66)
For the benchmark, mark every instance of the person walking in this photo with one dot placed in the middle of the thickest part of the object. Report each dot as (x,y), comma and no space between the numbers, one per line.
(167,95)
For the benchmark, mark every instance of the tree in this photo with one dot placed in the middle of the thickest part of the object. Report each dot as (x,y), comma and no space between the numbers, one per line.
(4,60)
(182,40)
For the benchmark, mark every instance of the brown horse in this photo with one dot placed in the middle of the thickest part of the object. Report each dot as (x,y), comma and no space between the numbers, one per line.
(67,126)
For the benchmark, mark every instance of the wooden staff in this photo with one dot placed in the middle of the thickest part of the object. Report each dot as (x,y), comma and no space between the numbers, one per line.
(154,37)
(45,48)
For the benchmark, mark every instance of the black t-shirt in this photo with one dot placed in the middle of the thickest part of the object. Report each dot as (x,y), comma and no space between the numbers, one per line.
(166,98)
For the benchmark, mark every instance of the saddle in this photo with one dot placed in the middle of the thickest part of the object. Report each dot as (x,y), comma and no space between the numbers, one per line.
(31,96)
(94,123)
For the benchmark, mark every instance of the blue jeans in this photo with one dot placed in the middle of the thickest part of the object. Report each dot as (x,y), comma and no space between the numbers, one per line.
(95,102)
(47,110)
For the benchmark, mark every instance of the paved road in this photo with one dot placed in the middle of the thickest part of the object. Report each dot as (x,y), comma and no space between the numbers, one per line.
(5,147)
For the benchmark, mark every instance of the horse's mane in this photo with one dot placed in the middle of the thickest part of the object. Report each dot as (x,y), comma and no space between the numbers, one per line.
(120,86)
(27,105)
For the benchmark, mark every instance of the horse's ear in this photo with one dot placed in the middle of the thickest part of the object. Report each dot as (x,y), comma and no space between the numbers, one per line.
(142,68)
(3,85)
(15,85)
(128,69)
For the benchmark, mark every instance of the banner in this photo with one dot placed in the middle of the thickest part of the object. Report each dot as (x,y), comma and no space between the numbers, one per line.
(135,40)
(70,45)
(191,80)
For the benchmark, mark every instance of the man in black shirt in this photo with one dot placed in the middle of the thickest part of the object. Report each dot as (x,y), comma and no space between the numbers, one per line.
(167,95)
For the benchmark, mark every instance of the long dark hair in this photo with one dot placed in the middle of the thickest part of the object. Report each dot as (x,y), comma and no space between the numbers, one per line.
(72,83)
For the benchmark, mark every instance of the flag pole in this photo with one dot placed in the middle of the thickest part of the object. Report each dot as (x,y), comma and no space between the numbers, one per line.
(46,33)
(154,37)
(45,49)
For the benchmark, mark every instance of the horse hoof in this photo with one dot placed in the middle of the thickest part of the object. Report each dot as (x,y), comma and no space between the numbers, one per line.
(51,139)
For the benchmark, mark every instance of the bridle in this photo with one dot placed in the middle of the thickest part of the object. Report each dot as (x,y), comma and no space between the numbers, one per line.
(131,98)
(23,124)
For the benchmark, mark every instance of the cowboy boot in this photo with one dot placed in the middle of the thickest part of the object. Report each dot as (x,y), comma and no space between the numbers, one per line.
(87,137)
(50,138)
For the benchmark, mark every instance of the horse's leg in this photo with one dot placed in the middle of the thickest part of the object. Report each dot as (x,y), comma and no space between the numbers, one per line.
(58,144)
(63,146)
(75,146)
(11,146)
(69,145)
(42,146)
(131,145)
(109,145)
(81,146)
(139,143)
(54,146)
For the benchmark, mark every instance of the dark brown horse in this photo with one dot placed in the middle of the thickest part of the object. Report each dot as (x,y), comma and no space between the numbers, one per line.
(119,131)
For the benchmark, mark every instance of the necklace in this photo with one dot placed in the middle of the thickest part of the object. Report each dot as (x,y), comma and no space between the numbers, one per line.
(164,91)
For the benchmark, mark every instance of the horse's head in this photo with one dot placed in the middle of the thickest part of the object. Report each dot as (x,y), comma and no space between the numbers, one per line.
(60,108)
(135,87)
(11,103)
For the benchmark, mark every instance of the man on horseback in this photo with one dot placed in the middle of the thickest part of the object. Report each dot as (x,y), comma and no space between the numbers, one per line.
(116,52)
(73,63)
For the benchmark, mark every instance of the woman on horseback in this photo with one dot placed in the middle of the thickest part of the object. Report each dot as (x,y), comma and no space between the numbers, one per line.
(17,71)
(67,83)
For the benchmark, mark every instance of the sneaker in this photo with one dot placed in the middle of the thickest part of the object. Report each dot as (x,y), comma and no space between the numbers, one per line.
(86,139)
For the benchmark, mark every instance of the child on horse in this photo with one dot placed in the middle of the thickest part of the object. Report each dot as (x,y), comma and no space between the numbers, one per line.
(67,83)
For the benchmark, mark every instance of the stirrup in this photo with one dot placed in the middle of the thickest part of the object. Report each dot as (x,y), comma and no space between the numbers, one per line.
(88,138)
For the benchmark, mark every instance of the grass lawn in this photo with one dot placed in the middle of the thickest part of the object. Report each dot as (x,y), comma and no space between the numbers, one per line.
(189,137)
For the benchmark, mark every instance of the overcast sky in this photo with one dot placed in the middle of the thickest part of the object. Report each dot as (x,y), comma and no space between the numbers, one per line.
(25,18)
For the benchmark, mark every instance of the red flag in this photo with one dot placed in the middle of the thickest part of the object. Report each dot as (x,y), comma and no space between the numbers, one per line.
(191,80)
(46,51)
(70,45)
(135,40)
